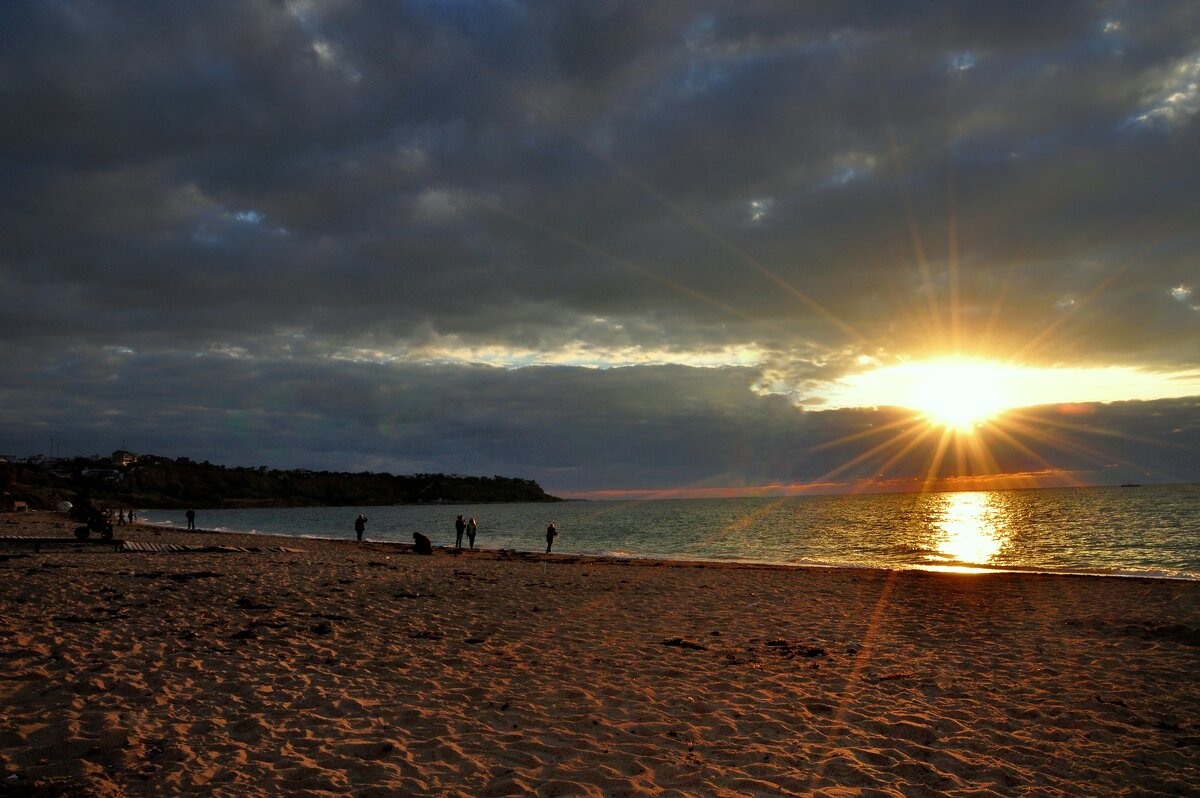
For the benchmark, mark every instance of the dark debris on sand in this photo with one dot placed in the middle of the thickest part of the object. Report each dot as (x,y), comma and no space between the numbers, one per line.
(247,603)
(679,642)
(792,650)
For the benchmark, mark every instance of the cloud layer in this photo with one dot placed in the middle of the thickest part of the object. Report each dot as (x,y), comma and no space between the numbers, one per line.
(394,237)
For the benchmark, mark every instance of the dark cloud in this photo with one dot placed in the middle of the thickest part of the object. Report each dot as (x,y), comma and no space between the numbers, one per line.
(573,429)
(227,200)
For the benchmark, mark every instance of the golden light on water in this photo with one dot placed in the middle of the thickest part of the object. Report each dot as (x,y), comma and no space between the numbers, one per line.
(971,528)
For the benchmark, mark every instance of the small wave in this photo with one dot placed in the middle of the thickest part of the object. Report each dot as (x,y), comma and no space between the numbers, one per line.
(1117,573)
(1186,576)
(857,566)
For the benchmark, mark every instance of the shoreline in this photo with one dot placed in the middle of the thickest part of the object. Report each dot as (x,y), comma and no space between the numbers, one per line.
(319,667)
(1182,576)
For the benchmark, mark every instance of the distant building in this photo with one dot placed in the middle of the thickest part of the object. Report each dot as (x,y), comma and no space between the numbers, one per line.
(107,474)
(123,458)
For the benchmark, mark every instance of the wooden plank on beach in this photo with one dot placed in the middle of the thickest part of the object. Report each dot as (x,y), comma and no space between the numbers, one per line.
(134,546)
(148,547)
(151,548)
(38,543)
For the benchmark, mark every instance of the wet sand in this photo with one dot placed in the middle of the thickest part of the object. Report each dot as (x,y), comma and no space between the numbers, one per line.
(336,668)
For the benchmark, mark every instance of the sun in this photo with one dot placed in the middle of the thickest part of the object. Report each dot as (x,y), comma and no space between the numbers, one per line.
(955,393)
(953,409)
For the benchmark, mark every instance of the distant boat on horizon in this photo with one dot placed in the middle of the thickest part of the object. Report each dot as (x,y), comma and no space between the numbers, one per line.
(1131,485)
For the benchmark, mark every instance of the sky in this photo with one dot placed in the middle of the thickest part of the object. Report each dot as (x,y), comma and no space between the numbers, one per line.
(624,249)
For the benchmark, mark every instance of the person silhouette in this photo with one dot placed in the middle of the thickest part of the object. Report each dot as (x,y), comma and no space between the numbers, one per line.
(472,529)
(551,534)
(191,518)
(422,544)
(360,525)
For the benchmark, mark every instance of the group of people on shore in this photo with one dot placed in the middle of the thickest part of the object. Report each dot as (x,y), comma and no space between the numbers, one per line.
(121,519)
(468,527)
(423,545)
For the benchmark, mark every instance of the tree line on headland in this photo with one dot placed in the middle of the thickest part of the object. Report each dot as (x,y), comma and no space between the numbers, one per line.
(149,481)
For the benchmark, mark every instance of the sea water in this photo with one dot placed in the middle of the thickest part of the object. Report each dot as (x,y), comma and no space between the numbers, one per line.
(1150,531)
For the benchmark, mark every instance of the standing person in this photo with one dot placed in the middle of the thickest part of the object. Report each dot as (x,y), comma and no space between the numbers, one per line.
(551,534)
(472,528)
(460,526)
(121,517)
(191,518)
(360,526)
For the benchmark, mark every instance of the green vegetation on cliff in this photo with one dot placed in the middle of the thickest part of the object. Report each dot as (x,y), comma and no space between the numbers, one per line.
(159,482)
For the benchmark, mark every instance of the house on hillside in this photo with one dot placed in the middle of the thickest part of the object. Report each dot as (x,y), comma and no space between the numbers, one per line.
(122,458)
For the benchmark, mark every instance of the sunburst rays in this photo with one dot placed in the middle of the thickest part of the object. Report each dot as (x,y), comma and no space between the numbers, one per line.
(913,452)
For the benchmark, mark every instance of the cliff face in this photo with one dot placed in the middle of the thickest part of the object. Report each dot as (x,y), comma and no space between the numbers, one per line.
(160,482)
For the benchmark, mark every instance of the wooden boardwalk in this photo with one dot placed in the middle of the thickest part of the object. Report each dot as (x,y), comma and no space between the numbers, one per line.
(37,544)
(171,548)
(139,546)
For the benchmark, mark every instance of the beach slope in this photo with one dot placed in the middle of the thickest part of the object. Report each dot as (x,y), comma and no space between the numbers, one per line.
(279,666)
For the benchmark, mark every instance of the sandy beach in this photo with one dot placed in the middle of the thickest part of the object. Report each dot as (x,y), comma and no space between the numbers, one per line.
(281,666)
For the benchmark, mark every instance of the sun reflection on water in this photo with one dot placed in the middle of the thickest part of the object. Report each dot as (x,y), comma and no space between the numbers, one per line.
(971,528)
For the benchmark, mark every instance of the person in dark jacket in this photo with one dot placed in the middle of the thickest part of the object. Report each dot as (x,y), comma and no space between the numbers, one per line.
(422,544)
